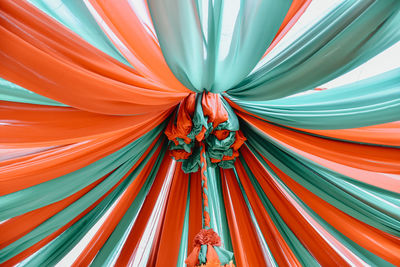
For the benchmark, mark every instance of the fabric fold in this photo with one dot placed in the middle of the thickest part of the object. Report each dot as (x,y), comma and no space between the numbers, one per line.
(346,37)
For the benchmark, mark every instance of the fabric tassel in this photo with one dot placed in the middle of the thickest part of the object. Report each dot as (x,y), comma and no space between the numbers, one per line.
(207,251)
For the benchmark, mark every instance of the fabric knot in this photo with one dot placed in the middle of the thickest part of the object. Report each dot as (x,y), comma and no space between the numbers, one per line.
(207,237)
(204,118)
(207,251)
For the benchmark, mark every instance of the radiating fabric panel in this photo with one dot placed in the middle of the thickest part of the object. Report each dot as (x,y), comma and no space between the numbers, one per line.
(386,134)
(217,207)
(248,250)
(49,226)
(15,93)
(100,83)
(336,245)
(279,246)
(354,193)
(134,39)
(70,154)
(187,155)
(382,134)
(46,123)
(368,102)
(346,37)
(329,185)
(76,16)
(173,221)
(193,51)
(110,237)
(136,234)
(66,185)
(296,10)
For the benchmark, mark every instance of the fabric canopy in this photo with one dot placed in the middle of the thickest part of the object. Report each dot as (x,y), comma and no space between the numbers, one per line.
(148,133)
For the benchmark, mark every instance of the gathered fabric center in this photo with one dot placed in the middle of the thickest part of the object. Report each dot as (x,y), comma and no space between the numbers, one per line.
(204,119)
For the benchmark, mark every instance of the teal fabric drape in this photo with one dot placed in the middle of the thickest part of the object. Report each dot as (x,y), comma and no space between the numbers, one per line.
(217,211)
(14,93)
(116,240)
(63,217)
(296,246)
(76,16)
(368,102)
(353,197)
(191,44)
(349,35)
(300,251)
(23,201)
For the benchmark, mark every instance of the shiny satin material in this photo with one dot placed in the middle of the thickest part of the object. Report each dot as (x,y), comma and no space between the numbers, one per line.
(193,51)
(15,93)
(204,120)
(100,83)
(362,29)
(76,16)
(368,102)
(89,87)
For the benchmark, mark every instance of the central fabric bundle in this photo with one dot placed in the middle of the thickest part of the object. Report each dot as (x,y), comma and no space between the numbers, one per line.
(204,118)
(204,131)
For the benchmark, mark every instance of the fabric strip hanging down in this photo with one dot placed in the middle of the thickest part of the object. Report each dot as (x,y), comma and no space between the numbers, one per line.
(193,133)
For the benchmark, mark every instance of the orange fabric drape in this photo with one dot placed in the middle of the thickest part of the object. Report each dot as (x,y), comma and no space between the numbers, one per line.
(16,227)
(38,167)
(26,253)
(370,158)
(129,249)
(378,242)
(50,60)
(246,248)
(20,225)
(123,204)
(322,245)
(280,250)
(134,41)
(195,209)
(387,134)
(51,126)
(344,163)
(166,250)
(24,172)
(96,135)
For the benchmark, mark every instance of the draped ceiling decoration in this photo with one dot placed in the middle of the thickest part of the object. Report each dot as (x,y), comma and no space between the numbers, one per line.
(139,119)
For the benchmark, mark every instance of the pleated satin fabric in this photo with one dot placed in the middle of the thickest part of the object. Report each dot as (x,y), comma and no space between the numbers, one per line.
(90,90)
